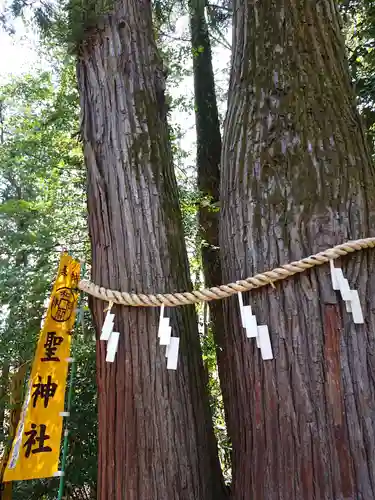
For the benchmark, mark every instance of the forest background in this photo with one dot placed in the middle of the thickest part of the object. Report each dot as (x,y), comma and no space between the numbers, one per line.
(43,200)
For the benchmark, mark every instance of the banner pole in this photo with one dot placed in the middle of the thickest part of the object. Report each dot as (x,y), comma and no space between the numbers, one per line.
(69,406)
(66,432)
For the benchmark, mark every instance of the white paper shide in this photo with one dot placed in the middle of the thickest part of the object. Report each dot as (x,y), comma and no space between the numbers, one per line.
(253,330)
(349,296)
(172,344)
(110,336)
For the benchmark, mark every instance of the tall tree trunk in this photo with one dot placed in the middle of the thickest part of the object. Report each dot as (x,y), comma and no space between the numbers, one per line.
(4,385)
(208,140)
(296,179)
(208,164)
(155,432)
(208,152)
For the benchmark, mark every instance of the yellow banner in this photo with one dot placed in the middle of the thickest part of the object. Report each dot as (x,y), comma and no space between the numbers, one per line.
(36,447)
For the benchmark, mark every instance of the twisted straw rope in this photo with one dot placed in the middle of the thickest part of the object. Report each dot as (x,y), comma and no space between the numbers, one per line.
(223,291)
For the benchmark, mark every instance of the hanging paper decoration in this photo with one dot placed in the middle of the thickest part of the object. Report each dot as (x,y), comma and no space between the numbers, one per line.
(351,297)
(165,330)
(112,347)
(109,335)
(108,324)
(36,447)
(165,338)
(253,330)
(264,342)
(172,353)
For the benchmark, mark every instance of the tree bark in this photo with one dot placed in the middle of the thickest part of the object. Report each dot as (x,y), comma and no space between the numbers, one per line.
(208,152)
(297,179)
(208,166)
(155,432)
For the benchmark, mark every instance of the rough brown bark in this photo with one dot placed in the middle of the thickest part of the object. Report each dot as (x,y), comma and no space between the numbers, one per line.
(155,432)
(208,151)
(296,179)
(208,163)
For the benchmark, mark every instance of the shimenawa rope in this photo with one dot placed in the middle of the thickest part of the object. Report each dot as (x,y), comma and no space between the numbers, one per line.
(223,291)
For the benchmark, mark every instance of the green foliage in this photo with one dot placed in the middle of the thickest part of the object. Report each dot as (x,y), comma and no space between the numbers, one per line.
(67,22)
(216,399)
(197,50)
(42,210)
(75,19)
(359,28)
(178,54)
(42,206)
(82,459)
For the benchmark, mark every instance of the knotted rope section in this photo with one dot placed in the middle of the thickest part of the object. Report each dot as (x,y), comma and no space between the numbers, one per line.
(223,291)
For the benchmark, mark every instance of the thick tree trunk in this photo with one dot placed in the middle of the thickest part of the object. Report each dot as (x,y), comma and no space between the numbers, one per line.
(155,432)
(296,179)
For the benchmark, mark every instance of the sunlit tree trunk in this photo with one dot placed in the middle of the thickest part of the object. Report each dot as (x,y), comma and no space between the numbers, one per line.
(155,432)
(297,179)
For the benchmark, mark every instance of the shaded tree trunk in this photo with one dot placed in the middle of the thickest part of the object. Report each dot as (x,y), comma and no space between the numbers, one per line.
(208,138)
(208,164)
(208,152)
(297,179)
(155,432)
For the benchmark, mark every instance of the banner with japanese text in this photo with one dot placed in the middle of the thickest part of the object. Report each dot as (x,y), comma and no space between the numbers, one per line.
(36,447)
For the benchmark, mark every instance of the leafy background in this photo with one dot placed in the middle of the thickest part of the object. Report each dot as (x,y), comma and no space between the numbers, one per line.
(43,201)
